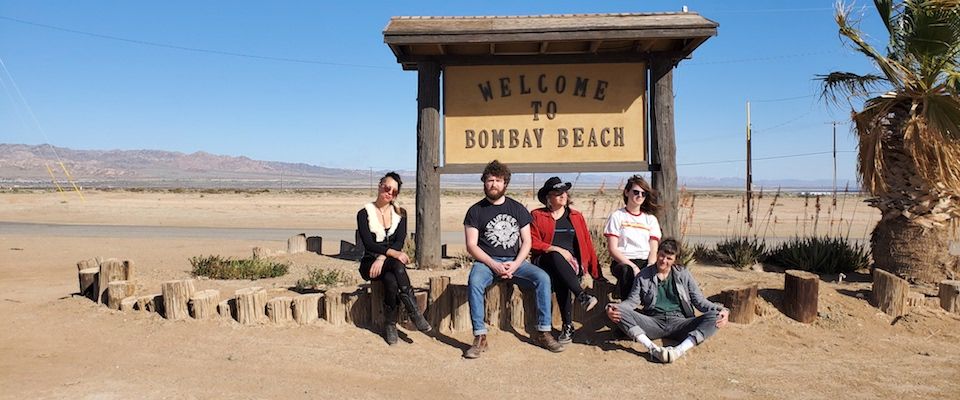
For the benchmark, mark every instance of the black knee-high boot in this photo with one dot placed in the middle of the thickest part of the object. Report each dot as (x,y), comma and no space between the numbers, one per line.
(390,324)
(410,303)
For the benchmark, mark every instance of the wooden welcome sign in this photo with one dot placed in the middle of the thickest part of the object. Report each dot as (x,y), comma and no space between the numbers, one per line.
(535,116)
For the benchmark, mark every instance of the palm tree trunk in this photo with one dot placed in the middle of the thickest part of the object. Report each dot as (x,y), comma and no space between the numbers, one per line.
(913,252)
(913,237)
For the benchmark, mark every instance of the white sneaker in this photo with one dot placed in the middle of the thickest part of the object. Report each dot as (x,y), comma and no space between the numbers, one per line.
(665,355)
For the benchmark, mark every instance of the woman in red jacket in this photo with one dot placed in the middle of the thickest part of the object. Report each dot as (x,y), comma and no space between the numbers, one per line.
(561,245)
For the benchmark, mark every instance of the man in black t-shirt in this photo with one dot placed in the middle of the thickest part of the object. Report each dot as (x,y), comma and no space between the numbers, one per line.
(497,231)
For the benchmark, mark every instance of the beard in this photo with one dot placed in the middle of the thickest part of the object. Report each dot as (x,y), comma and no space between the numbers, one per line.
(494,194)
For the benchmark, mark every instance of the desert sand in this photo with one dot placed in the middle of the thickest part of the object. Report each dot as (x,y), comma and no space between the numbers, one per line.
(57,345)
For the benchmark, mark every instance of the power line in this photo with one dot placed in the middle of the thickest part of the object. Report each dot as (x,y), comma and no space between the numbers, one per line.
(783,99)
(191,49)
(766,158)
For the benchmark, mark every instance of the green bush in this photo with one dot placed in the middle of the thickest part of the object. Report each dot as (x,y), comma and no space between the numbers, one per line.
(687,254)
(820,254)
(740,252)
(320,278)
(216,267)
(704,253)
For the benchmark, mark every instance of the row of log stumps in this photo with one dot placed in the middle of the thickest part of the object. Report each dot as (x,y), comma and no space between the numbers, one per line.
(106,281)
(892,294)
(296,244)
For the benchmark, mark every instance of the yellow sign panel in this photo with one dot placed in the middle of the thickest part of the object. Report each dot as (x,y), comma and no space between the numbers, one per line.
(571,113)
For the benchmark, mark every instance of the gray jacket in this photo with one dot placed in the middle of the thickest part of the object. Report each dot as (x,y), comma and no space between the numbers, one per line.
(644,293)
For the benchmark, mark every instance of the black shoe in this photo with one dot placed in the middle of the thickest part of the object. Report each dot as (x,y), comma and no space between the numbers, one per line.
(390,334)
(588,302)
(566,334)
(410,303)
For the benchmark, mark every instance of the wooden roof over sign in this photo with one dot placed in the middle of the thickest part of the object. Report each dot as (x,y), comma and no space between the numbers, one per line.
(542,38)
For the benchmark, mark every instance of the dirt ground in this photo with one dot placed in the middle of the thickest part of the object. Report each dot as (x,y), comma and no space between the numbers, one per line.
(55,345)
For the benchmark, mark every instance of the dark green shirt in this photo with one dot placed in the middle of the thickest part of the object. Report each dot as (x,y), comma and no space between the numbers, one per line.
(668,300)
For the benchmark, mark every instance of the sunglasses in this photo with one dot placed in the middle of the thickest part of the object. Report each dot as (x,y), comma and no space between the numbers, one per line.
(388,189)
(639,193)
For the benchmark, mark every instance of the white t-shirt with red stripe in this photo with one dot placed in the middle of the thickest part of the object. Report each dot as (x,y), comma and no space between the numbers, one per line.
(634,232)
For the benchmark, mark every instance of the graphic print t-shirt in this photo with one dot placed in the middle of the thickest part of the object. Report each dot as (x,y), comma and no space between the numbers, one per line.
(499,226)
(634,231)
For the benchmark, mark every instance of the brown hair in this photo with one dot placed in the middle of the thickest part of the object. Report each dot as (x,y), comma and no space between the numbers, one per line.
(497,169)
(669,247)
(649,204)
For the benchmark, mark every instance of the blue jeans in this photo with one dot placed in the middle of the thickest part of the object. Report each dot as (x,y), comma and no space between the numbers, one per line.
(526,276)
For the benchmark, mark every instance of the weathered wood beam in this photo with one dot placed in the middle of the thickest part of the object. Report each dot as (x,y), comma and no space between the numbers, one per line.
(428,177)
(594,46)
(663,147)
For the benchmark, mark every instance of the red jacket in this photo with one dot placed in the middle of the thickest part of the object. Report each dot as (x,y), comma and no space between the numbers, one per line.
(541,231)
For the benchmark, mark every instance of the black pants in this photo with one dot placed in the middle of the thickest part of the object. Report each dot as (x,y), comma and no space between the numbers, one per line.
(625,276)
(393,275)
(564,281)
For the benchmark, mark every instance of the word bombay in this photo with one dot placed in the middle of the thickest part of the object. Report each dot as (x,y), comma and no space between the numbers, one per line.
(533,138)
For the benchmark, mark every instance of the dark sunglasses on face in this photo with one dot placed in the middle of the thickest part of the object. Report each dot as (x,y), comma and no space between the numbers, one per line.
(639,193)
(388,189)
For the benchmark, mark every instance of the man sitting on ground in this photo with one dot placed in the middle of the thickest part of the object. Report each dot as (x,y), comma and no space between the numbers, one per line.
(666,295)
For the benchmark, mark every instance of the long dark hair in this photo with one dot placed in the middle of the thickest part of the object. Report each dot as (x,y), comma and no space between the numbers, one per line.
(649,204)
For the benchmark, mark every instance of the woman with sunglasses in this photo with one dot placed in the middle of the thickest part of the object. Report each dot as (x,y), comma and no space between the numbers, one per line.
(561,246)
(382,227)
(633,233)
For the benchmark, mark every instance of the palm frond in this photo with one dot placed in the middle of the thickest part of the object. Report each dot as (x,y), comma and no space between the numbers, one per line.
(870,126)
(844,85)
(929,38)
(892,70)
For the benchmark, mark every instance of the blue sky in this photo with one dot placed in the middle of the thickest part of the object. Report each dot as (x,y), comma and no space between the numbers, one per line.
(352,106)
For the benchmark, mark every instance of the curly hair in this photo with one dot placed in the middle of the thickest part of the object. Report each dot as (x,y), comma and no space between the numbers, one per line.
(497,169)
(649,204)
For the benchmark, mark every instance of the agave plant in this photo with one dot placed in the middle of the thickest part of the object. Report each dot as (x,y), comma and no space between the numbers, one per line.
(908,131)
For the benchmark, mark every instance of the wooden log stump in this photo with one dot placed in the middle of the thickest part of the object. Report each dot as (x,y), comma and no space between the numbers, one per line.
(529,310)
(90,283)
(306,308)
(297,244)
(376,305)
(86,264)
(203,304)
(742,303)
(251,305)
(916,300)
(439,309)
(128,303)
(110,270)
(315,244)
(800,295)
(128,270)
(422,300)
(279,310)
(889,293)
(950,296)
(151,303)
(357,305)
(117,291)
(460,307)
(224,310)
(176,296)
(516,310)
(494,303)
(333,310)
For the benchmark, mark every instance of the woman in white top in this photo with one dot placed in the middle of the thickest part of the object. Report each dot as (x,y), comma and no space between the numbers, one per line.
(633,233)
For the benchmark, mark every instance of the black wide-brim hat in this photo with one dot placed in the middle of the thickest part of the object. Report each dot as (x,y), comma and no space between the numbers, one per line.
(552,184)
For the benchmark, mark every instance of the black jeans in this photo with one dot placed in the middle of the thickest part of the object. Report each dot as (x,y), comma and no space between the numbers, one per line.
(625,276)
(393,275)
(563,279)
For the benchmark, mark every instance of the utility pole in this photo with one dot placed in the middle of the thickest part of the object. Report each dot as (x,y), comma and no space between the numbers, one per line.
(372,193)
(749,173)
(834,163)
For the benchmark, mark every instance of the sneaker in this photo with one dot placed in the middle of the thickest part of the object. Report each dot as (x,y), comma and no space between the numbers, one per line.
(479,346)
(566,334)
(546,340)
(665,355)
(587,301)
(390,334)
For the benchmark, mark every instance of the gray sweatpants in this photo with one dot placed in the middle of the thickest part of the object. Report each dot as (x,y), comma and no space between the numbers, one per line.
(673,325)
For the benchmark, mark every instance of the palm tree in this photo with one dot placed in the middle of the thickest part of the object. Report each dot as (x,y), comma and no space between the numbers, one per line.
(909,134)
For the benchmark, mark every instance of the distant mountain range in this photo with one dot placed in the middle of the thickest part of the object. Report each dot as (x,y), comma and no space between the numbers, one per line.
(27,166)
